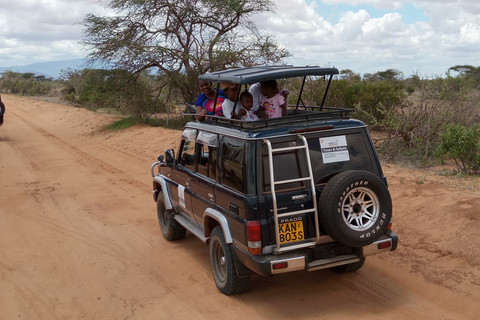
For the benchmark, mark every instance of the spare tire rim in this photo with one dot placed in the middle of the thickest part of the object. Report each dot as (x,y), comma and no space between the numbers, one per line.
(360,209)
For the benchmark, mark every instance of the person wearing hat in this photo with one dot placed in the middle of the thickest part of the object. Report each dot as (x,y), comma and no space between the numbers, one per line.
(229,106)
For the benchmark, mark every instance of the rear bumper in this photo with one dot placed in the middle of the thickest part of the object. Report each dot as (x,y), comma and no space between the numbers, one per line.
(310,259)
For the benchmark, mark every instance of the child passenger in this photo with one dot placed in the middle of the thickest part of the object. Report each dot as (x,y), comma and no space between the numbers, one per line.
(273,103)
(246,113)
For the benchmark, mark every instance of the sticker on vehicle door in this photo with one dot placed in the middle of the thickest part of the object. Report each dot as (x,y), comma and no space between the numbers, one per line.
(334,149)
(181,195)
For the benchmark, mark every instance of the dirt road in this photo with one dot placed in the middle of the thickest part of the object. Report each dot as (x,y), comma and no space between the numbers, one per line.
(79,237)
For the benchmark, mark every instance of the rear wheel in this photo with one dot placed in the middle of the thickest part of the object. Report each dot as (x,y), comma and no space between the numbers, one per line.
(171,230)
(223,266)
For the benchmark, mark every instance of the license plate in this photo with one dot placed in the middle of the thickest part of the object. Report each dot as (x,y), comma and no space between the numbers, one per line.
(291,231)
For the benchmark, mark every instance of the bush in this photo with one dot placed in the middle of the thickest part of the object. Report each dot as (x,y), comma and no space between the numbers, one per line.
(462,144)
(412,126)
(25,84)
(135,95)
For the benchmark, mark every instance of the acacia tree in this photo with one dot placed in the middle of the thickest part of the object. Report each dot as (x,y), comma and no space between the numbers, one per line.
(468,72)
(181,39)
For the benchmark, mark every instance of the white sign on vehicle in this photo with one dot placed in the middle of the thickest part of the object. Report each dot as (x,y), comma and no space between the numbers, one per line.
(181,195)
(334,149)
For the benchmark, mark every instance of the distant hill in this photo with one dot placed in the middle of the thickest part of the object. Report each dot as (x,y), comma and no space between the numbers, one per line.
(48,69)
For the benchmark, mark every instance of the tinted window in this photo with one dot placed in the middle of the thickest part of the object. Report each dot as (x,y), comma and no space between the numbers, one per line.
(207,163)
(187,154)
(233,164)
(287,165)
(338,153)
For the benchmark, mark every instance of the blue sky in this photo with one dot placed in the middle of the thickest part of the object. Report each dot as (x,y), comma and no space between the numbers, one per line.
(415,37)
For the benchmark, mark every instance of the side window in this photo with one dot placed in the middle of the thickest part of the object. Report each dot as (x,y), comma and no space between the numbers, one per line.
(206,154)
(203,159)
(187,154)
(212,164)
(233,164)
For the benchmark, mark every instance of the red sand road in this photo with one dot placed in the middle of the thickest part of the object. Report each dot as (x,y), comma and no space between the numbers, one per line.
(79,237)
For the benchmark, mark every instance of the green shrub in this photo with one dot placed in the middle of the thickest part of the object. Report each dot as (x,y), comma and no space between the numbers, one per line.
(462,144)
(25,84)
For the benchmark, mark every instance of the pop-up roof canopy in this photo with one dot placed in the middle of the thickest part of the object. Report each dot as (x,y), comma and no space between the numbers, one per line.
(264,73)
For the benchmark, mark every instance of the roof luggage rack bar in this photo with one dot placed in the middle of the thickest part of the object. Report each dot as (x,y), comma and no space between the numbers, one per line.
(295,116)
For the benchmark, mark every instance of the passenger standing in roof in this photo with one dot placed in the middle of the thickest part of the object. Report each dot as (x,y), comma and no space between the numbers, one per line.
(274,104)
(205,103)
(256,91)
(229,107)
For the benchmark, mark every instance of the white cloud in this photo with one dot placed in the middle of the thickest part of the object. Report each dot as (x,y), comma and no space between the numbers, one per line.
(42,30)
(363,43)
(364,35)
(380,4)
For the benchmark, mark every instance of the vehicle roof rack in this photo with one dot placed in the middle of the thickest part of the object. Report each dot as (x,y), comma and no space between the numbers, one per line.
(294,117)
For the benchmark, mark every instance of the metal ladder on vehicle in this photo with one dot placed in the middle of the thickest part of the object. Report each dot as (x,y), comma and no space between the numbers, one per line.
(273,183)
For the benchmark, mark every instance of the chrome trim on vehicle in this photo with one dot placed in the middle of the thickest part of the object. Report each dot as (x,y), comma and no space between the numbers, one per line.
(166,196)
(153,166)
(293,264)
(373,248)
(332,262)
(214,214)
(271,248)
(195,230)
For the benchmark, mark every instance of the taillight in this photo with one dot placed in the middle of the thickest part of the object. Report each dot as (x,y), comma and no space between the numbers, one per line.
(280,265)
(384,245)
(389,227)
(254,237)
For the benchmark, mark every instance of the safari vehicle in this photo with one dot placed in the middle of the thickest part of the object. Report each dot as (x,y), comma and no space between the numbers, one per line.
(301,192)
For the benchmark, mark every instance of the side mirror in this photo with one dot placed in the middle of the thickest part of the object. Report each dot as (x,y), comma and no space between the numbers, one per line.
(160,159)
(169,157)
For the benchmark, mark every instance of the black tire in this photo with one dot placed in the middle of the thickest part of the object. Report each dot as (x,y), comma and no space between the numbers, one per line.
(2,111)
(171,230)
(351,267)
(223,266)
(2,108)
(355,208)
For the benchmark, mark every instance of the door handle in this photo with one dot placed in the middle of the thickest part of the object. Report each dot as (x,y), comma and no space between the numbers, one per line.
(299,197)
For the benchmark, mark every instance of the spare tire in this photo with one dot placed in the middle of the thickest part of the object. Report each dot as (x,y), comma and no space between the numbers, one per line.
(355,208)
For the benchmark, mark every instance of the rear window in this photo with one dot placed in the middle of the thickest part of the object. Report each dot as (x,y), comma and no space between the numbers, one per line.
(337,153)
(287,165)
(328,155)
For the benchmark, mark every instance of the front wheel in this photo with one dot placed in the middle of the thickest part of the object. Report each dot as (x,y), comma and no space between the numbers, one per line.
(171,230)
(223,266)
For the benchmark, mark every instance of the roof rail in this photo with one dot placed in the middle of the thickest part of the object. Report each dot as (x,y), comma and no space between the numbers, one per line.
(295,116)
